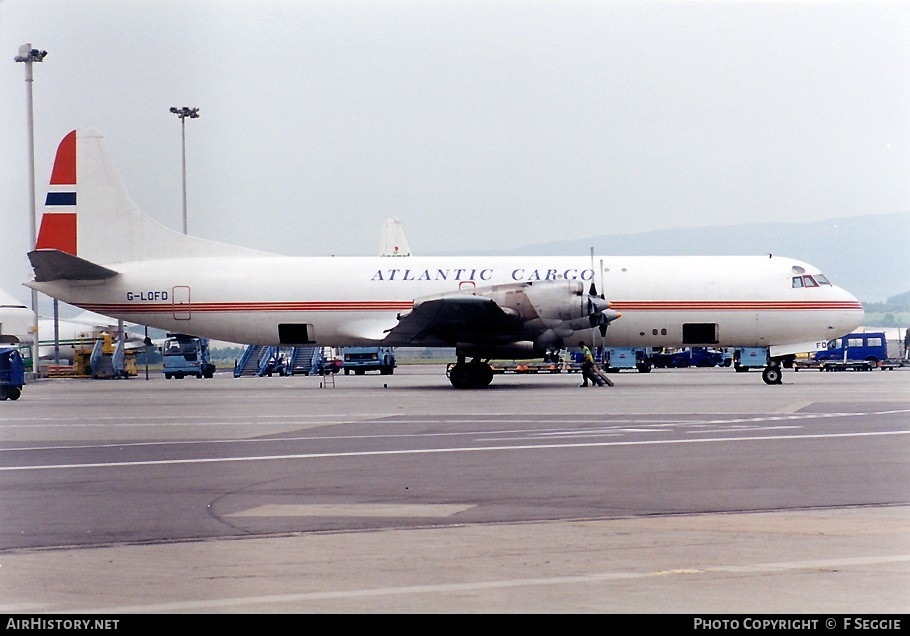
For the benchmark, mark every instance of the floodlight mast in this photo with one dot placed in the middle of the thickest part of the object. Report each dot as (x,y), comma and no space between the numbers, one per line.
(183,113)
(28,55)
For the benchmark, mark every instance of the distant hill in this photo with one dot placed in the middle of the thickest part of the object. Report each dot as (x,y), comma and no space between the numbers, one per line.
(867,255)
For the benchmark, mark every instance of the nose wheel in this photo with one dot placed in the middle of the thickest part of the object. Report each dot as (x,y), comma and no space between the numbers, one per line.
(772,374)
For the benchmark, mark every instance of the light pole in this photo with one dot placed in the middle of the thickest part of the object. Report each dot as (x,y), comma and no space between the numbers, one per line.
(183,113)
(28,55)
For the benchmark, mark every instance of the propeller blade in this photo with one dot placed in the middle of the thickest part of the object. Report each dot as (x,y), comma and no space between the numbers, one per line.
(593,290)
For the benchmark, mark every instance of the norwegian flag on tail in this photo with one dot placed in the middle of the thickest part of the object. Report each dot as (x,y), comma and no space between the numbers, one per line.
(58,223)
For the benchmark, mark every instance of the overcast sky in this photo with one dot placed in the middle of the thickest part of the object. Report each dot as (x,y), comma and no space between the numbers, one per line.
(478,124)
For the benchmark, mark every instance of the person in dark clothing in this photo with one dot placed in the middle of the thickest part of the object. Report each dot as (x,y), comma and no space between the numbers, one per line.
(587,366)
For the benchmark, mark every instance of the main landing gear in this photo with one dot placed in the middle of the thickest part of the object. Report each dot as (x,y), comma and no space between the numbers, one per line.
(475,374)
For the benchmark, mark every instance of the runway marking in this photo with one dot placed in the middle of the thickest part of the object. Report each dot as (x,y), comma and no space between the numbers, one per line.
(618,425)
(285,421)
(436,511)
(172,420)
(619,430)
(448,588)
(426,451)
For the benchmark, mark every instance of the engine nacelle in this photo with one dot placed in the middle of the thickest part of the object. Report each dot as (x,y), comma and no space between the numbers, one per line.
(555,309)
(548,301)
(523,349)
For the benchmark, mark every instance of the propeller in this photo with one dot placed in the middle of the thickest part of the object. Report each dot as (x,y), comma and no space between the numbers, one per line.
(599,312)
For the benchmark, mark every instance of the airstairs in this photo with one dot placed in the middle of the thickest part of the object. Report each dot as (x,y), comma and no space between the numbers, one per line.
(108,360)
(262,360)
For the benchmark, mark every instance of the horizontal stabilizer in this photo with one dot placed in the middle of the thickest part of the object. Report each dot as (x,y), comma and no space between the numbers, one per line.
(56,265)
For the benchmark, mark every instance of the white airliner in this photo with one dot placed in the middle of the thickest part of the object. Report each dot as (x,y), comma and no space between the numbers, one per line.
(96,250)
(16,319)
(80,331)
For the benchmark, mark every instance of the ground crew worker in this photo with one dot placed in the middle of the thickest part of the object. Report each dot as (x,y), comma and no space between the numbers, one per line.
(587,365)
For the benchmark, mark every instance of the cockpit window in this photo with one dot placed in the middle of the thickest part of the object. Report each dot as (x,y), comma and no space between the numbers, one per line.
(809,281)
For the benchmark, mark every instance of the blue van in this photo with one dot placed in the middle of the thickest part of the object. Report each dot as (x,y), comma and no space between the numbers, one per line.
(871,347)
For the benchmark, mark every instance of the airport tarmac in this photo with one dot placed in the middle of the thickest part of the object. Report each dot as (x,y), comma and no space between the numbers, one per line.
(693,491)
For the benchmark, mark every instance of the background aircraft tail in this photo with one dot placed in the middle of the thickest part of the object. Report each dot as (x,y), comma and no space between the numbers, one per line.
(88,212)
(393,242)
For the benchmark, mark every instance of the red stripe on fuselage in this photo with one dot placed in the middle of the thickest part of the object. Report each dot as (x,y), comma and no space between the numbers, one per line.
(733,305)
(394,305)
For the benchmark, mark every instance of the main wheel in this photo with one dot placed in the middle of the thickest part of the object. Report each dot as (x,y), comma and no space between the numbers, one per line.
(483,375)
(460,376)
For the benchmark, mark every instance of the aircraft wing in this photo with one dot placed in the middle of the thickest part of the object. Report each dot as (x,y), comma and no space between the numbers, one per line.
(444,321)
(537,314)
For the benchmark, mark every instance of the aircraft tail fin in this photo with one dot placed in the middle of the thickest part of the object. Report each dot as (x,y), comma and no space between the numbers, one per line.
(88,214)
(393,242)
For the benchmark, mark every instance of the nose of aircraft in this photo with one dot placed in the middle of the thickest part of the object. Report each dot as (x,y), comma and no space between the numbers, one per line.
(850,315)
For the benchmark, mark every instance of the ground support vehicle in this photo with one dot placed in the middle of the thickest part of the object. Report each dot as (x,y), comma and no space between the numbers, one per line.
(359,360)
(618,358)
(110,359)
(529,367)
(864,351)
(847,365)
(184,355)
(12,373)
(746,358)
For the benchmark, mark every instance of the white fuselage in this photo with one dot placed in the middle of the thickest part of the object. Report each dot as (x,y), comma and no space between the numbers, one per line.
(355,300)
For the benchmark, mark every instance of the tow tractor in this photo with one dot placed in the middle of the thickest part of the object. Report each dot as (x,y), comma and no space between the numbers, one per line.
(12,372)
